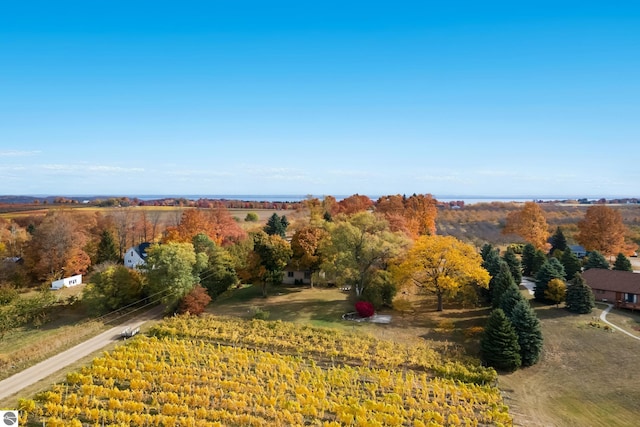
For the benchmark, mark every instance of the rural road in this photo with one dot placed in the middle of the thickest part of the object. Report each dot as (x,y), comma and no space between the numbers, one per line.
(17,382)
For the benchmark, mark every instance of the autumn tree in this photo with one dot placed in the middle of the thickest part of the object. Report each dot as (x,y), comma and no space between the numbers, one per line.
(57,247)
(195,302)
(442,265)
(556,291)
(622,263)
(170,272)
(596,260)
(354,204)
(529,332)
(216,269)
(415,215)
(499,344)
(579,297)
(305,247)
(571,264)
(112,287)
(530,223)
(357,248)
(271,254)
(107,248)
(216,223)
(551,269)
(602,230)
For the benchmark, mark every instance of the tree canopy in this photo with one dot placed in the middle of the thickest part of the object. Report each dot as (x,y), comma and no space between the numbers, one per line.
(442,265)
(358,248)
(622,263)
(579,297)
(529,332)
(551,269)
(602,230)
(112,287)
(596,260)
(170,271)
(530,223)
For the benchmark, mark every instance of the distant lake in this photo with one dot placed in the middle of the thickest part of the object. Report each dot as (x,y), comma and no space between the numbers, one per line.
(298,198)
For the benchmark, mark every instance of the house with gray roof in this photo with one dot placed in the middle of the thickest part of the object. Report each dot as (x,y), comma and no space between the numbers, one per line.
(136,255)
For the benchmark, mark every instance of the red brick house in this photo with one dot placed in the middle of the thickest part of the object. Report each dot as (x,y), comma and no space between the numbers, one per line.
(621,288)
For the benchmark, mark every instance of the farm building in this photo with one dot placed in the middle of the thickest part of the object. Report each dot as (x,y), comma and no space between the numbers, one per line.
(136,255)
(67,282)
(621,288)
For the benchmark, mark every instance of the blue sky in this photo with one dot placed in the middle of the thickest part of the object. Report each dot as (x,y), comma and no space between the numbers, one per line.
(234,97)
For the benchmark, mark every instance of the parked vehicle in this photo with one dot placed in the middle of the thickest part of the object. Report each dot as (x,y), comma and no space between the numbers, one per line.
(129,332)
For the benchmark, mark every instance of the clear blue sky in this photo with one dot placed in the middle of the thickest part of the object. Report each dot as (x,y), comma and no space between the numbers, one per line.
(234,97)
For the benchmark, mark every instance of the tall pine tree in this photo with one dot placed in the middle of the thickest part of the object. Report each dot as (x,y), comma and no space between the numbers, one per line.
(622,263)
(499,345)
(528,254)
(515,266)
(551,269)
(510,297)
(107,250)
(596,260)
(529,332)
(579,297)
(571,264)
(500,283)
(558,241)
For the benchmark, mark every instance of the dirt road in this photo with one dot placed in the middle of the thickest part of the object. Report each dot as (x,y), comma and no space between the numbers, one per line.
(17,382)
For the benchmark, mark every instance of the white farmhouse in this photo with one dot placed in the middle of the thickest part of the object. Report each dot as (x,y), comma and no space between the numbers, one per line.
(136,255)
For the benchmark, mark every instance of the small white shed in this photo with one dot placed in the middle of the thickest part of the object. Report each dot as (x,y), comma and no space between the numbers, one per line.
(67,282)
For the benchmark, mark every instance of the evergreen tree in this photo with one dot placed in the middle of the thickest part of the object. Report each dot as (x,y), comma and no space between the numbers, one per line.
(551,269)
(276,225)
(558,241)
(492,262)
(571,264)
(622,263)
(486,251)
(580,297)
(515,266)
(499,345)
(107,250)
(500,283)
(596,260)
(528,253)
(508,300)
(527,327)
(539,258)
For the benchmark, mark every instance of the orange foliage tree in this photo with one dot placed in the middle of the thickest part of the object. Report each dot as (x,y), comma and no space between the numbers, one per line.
(216,223)
(602,230)
(195,301)
(415,216)
(57,247)
(530,223)
(355,203)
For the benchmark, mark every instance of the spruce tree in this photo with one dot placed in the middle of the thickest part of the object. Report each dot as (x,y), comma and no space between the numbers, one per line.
(107,250)
(515,266)
(486,250)
(276,225)
(508,300)
(580,297)
(539,259)
(571,264)
(499,345)
(596,260)
(529,332)
(551,269)
(528,253)
(492,262)
(500,283)
(558,241)
(622,263)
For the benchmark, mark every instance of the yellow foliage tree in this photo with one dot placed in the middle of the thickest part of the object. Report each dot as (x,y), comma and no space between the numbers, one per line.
(556,291)
(442,265)
(530,223)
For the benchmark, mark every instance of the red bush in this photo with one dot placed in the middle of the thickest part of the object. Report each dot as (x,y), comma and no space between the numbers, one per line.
(195,301)
(365,308)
